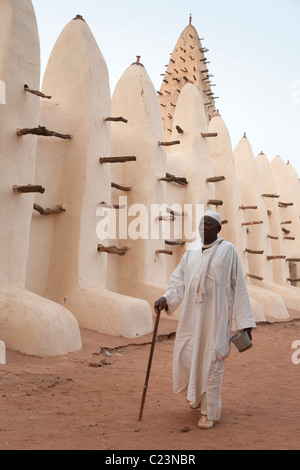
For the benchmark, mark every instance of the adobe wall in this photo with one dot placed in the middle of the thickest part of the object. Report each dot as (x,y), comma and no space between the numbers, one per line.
(28,323)
(73,271)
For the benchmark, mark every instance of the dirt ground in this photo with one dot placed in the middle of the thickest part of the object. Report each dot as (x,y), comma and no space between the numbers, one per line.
(90,401)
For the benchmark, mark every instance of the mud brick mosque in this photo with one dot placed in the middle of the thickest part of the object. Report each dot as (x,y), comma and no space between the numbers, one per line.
(73,153)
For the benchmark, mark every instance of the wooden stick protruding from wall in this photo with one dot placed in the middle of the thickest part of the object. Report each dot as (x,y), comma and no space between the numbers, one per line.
(164,252)
(115,119)
(270,195)
(170,217)
(175,243)
(168,144)
(30,188)
(121,188)
(174,179)
(214,202)
(254,252)
(253,276)
(59,209)
(179,130)
(175,213)
(113,250)
(285,204)
(111,206)
(253,223)
(215,179)
(38,93)
(209,134)
(245,208)
(117,159)
(41,130)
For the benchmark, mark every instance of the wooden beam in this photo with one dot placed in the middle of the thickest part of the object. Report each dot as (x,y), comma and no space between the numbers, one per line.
(174,179)
(215,202)
(168,144)
(57,210)
(253,276)
(175,243)
(115,119)
(209,134)
(166,217)
(41,130)
(111,206)
(270,258)
(252,223)
(175,213)
(270,195)
(29,189)
(38,93)
(117,159)
(254,252)
(121,188)
(113,250)
(285,204)
(164,252)
(244,208)
(215,179)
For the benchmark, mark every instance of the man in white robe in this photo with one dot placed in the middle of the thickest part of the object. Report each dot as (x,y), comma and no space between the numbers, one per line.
(210,284)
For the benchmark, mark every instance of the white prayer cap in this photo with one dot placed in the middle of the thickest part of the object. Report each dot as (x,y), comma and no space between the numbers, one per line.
(213,215)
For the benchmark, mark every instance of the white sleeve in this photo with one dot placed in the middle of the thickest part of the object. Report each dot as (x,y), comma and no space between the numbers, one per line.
(242,307)
(176,286)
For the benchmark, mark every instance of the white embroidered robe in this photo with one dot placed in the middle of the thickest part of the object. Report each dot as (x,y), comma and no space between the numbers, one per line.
(205,325)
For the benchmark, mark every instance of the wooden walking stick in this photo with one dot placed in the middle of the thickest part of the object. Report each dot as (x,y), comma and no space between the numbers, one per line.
(149,365)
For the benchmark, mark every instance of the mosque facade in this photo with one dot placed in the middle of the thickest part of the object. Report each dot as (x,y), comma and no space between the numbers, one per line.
(101,192)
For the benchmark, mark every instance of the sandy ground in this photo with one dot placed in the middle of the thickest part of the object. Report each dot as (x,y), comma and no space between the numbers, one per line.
(89,401)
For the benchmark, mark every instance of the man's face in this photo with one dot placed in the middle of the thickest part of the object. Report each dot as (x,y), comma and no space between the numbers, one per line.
(209,229)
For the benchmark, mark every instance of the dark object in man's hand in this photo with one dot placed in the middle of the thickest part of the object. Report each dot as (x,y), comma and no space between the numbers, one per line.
(249,331)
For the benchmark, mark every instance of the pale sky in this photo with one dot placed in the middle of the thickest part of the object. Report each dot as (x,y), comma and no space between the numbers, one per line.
(253,49)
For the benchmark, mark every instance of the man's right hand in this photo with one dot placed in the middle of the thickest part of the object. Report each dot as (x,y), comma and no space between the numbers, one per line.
(161,304)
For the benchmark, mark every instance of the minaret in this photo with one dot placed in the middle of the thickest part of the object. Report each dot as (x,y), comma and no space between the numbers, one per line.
(187,64)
